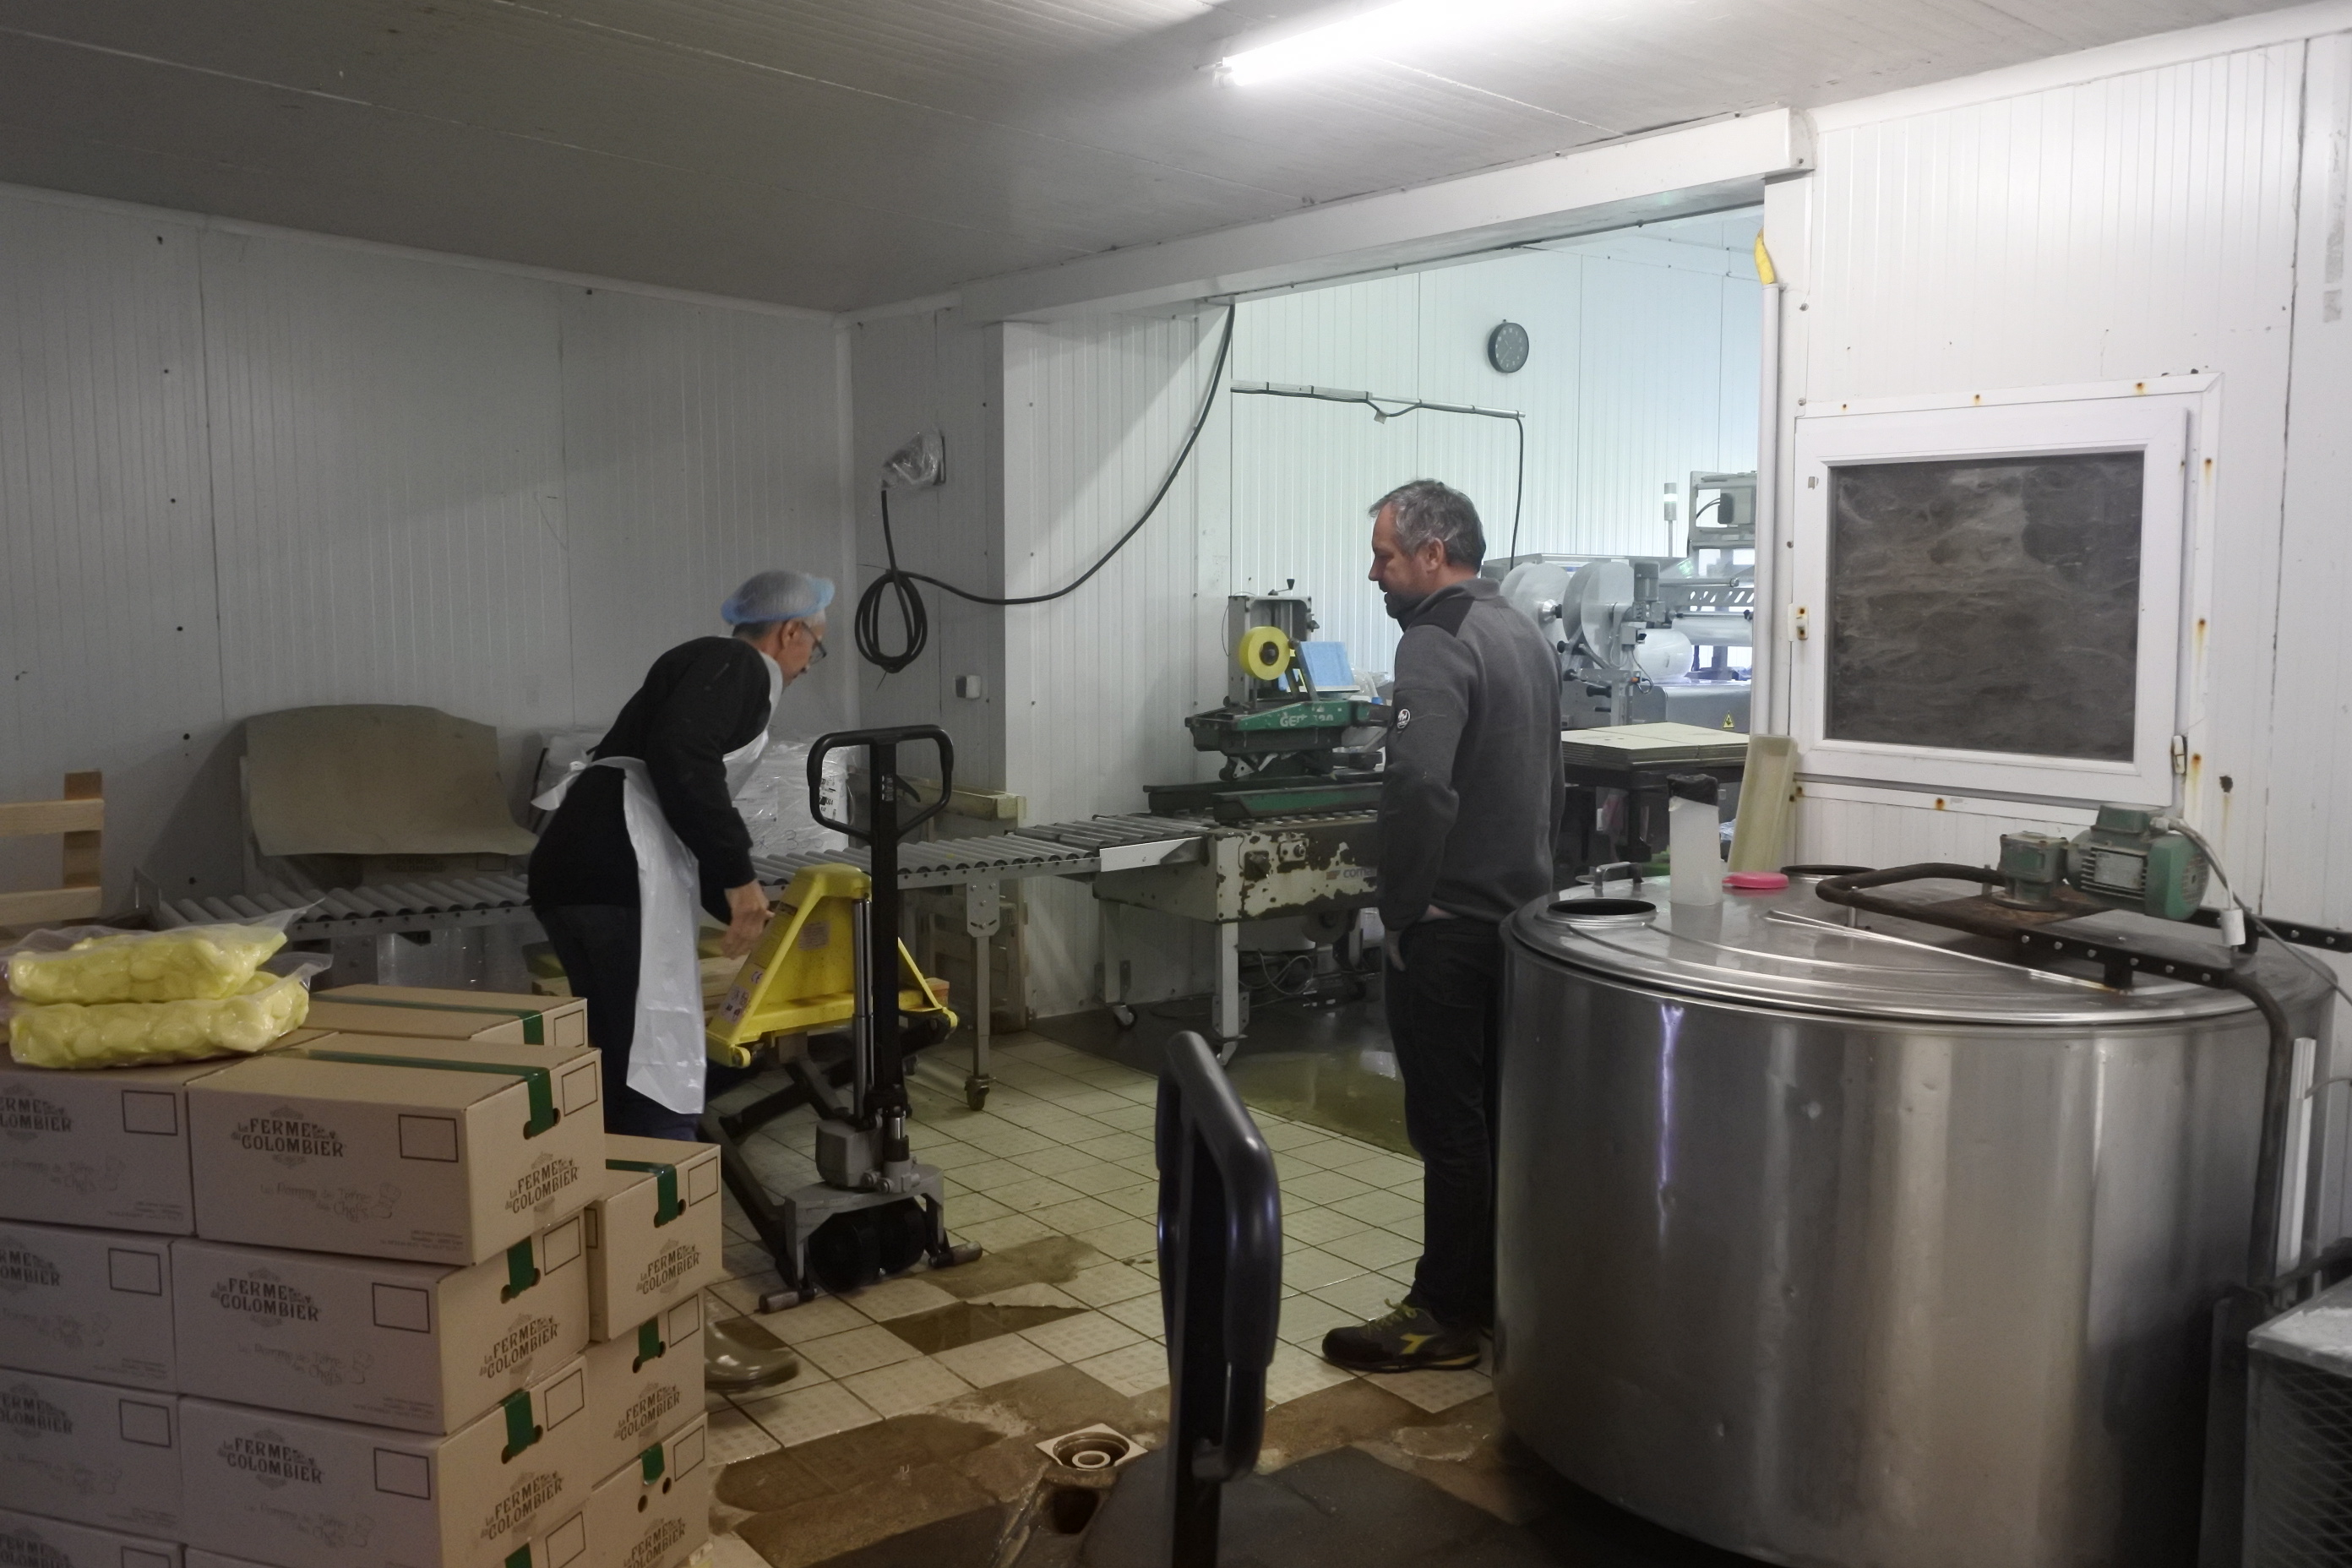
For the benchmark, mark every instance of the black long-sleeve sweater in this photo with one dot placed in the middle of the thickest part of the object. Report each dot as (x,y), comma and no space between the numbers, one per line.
(1471,798)
(700,701)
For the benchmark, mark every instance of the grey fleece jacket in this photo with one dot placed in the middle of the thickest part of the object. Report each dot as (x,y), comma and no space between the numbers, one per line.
(1471,799)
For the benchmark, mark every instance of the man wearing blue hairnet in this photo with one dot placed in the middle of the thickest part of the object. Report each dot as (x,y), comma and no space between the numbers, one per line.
(646,833)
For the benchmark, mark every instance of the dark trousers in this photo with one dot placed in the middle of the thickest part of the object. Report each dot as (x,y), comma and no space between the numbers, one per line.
(597,945)
(1444,1010)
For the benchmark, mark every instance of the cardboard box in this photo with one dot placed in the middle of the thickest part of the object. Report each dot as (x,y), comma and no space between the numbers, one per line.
(418,1346)
(32,1542)
(653,1240)
(92,1304)
(89,1453)
(655,1512)
(643,1383)
(445,1151)
(105,1148)
(495,1017)
(305,1493)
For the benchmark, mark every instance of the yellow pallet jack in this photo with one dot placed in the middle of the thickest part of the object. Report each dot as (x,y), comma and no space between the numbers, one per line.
(874,1210)
(801,979)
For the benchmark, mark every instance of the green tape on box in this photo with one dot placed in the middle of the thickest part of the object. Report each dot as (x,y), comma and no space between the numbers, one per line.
(538,1082)
(522,1271)
(534,1032)
(521,1430)
(667,1206)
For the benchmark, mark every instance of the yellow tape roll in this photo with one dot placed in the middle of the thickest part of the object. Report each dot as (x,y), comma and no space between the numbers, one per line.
(1265,652)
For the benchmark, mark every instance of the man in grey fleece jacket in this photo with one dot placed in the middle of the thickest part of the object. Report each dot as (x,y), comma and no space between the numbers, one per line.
(1469,805)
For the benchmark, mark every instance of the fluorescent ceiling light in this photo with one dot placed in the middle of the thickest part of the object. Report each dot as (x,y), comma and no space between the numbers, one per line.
(1352,33)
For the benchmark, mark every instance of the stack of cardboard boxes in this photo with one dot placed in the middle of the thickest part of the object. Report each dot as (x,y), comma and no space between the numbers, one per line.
(372,1299)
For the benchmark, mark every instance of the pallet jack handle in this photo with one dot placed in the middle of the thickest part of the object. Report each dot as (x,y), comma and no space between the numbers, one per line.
(881,765)
(882,1068)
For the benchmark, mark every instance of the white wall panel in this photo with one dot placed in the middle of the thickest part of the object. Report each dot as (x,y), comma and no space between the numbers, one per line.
(107,629)
(1098,683)
(2304,792)
(2134,227)
(247,471)
(1654,374)
(908,374)
(1363,336)
(1303,472)
(700,445)
(388,468)
(2306,787)
(1544,292)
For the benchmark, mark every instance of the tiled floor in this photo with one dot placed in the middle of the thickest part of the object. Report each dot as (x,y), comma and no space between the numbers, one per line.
(1057,1179)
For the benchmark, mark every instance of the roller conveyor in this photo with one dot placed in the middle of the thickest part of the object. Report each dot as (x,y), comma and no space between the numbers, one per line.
(440,904)
(1057,849)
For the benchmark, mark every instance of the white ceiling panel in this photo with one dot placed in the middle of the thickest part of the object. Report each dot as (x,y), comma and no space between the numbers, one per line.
(836,153)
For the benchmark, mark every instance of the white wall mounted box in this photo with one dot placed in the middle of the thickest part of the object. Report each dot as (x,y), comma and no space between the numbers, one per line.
(418,1346)
(93,1304)
(90,1453)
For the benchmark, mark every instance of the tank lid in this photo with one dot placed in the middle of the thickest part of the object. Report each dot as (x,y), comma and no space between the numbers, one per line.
(2317,1333)
(1787,948)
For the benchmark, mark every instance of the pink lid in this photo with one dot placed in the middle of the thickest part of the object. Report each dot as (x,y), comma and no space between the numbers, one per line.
(1756,881)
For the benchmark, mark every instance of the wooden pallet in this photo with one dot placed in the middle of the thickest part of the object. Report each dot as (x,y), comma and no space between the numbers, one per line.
(80,819)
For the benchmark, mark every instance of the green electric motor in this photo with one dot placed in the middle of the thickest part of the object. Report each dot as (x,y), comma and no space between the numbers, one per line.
(2124,860)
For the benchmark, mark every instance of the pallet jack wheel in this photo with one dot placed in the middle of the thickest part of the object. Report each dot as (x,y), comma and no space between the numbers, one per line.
(975,1092)
(863,1247)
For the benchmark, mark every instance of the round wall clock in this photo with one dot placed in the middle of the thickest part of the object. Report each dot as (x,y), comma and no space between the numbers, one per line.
(1506,347)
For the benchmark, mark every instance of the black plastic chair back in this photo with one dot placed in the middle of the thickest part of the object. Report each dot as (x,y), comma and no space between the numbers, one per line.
(1219,1289)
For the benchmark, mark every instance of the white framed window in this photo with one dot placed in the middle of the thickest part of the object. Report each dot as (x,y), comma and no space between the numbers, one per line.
(1988,593)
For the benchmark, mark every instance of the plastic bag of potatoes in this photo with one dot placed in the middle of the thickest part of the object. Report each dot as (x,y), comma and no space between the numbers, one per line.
(119,1033)
(190,963)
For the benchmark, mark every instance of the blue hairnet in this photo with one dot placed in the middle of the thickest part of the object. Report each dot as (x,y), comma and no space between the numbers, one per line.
(776,597)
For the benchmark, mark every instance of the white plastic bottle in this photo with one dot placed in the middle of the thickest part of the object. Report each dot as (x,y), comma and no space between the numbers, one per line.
(1695,838)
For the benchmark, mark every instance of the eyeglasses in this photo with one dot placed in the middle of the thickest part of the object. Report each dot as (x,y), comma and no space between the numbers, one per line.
(818,656)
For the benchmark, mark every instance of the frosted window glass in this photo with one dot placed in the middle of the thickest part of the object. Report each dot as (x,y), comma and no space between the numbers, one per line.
(1987,604)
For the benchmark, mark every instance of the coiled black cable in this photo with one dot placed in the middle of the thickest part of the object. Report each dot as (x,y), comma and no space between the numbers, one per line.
(866,628)
(915,620)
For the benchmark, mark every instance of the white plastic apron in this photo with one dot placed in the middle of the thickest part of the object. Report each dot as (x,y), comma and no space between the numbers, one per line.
(665,1051)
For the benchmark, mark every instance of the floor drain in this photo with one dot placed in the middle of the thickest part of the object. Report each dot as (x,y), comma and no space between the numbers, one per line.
(1090,1449)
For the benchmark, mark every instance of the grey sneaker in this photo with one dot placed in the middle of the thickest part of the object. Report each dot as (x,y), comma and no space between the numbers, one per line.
(1407,1340)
